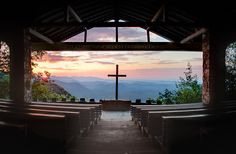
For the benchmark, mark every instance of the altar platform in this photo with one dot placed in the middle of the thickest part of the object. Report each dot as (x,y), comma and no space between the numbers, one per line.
(116,105)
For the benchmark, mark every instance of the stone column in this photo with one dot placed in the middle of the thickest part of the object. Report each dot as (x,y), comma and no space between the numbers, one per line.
(20,65)
(213,47)
(27,68)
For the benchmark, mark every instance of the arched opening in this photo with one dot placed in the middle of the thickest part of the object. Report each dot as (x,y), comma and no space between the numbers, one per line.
(150,74)
(4,70)
(230,72)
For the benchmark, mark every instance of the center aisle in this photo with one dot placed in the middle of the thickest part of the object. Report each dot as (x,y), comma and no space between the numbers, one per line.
(115,134)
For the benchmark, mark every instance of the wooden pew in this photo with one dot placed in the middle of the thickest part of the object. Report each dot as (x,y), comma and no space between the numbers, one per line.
(136,108)
(86,113)
(51,129)
(95,105)
(12,136)
(97,111)
(87,116)
(151,118)
(73,118)
(153,127)
(145,111)
(199,133)
(141,111)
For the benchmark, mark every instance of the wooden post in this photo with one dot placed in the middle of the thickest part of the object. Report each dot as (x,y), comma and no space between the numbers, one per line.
(117,72)
(85,35)
(148,36)
(213,48)
(117,35)
(117,31)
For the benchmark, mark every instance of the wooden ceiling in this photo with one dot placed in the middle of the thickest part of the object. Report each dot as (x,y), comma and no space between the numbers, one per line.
(174,20)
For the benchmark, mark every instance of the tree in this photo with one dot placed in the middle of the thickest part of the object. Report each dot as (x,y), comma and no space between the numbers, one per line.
(40,81)
(4,86)
(4,70)
(168,97)
(189,91)
(44,88)
(230,73)
(4,58)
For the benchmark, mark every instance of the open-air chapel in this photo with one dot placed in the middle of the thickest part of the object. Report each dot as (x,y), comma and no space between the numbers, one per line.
(206,127)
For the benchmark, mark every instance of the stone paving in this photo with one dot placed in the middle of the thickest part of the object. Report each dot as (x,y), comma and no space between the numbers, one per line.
(115,134)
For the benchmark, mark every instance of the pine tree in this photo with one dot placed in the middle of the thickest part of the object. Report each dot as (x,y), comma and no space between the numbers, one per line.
(189,90)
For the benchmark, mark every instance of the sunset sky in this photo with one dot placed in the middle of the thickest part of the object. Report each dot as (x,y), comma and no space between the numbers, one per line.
(162,65)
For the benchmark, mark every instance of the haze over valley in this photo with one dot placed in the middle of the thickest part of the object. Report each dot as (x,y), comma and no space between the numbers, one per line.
(98,88)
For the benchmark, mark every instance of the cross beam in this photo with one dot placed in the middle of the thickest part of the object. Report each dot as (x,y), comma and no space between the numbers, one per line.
(121,46)
(117,24)
(117,75)
(194,35)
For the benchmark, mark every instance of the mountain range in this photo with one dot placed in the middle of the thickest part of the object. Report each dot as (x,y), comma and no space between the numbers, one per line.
(98,88)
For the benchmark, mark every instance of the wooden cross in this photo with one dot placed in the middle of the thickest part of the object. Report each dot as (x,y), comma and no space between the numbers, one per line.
(117,76)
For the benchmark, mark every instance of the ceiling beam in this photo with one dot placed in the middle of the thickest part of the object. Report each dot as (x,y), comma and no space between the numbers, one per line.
(117,24)
(194,35)
(120,46)
(41,36)
(74,14)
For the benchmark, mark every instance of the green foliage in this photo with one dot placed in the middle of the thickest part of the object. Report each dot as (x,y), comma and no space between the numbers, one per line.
(230,78)
(188,90)
(4,86)
(40,81)
(41,90)
(150,101)
(167,97)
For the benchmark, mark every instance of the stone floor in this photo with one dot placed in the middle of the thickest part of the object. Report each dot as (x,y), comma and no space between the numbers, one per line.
(115,134)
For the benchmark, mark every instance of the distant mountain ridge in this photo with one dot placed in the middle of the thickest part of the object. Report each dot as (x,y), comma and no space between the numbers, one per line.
(98,88)
(53,87)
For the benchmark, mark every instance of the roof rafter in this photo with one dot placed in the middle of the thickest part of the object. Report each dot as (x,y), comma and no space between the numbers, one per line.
(41,36)
(158,13)
(74,14)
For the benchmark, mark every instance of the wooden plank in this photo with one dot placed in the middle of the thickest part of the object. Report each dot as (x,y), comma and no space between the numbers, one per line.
(121,46)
